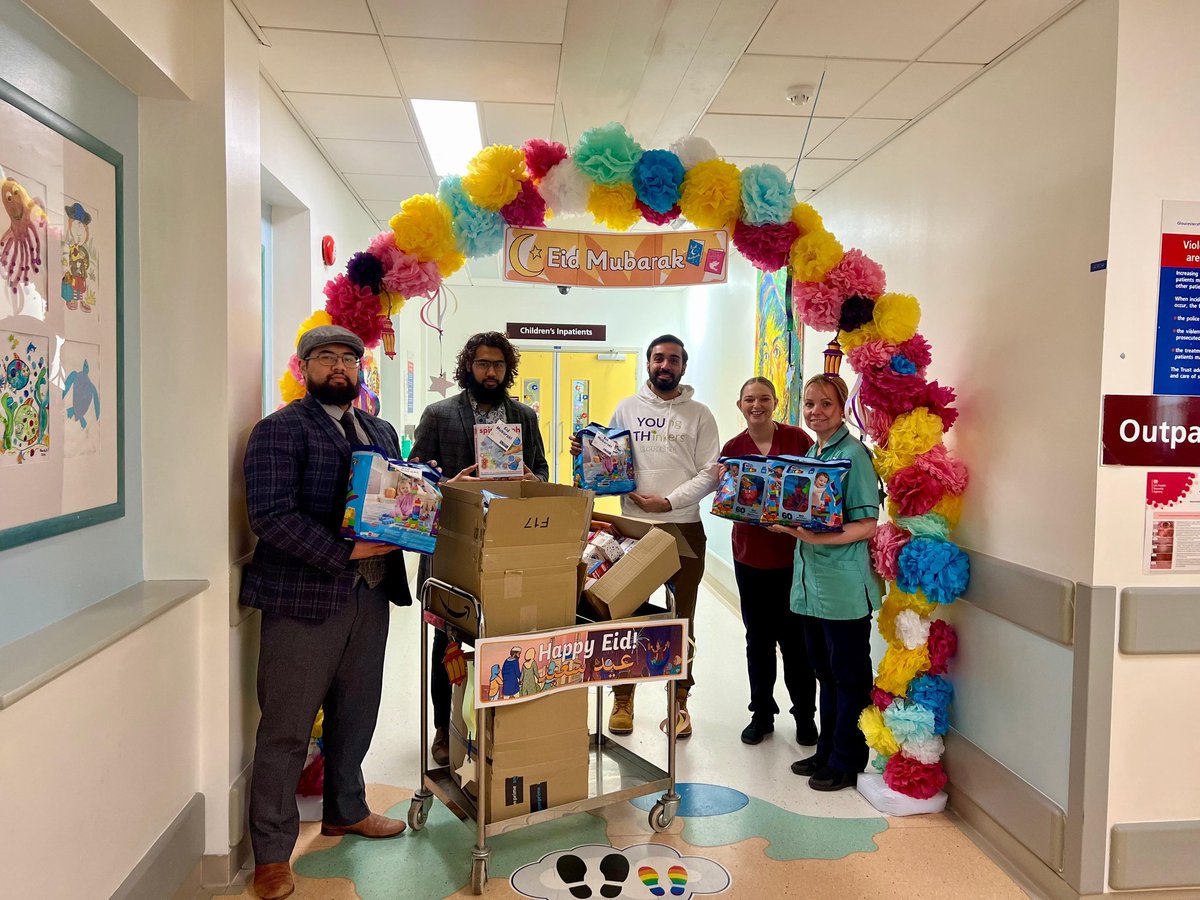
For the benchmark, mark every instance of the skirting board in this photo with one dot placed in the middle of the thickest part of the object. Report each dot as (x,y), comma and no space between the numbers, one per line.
(172,860)
(1146,855)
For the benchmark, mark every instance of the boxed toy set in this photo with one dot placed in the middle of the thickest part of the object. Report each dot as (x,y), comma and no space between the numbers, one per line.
(784,490)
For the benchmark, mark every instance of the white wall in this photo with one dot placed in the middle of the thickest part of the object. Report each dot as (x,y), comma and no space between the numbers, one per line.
(1153,160)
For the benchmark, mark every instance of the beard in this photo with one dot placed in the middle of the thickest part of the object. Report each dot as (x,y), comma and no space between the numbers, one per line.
(334,394)
(664,380)
(484,394)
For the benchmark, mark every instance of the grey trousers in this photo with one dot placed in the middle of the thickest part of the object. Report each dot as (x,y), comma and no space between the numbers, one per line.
(304,664)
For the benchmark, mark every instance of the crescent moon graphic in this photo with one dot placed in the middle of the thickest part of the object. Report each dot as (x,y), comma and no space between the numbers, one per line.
(514,258)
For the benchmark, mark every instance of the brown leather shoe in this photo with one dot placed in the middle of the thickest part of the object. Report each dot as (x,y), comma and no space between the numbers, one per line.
(373,826)
(273,881)
(440,749)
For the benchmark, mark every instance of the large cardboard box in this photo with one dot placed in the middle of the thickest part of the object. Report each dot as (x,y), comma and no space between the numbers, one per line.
(640,572)
(517,554)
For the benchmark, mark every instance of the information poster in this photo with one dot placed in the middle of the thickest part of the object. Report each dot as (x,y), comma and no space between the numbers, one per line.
(1172,522)
(1177,343)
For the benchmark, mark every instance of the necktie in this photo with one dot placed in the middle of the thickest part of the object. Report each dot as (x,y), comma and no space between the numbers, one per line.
(372,569)
(347,422)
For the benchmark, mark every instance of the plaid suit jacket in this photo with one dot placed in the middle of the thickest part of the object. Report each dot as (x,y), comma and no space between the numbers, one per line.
(297,469)
(447,434)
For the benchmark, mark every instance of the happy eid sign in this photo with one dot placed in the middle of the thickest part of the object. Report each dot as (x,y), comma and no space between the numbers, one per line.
(522,667)
(604,259)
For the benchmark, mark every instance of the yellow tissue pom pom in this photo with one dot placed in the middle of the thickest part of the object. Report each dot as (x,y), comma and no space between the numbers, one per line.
(290,389)
(915,432)
(899,666)
(317,319)
(886,616)
(950,509)
(390,303)
(879,736)
(888,462)
(859,336)
(918,602)
(711,196)
(318,728)
(494,176)
(896,316)
(807,218)
(423,228)
(813,255)
(615,207)
(451,263)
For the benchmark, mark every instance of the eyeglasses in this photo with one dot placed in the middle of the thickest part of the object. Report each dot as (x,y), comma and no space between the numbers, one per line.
(329,360)
(484,365)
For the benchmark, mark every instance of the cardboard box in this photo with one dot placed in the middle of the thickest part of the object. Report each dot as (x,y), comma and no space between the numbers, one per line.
(499,451)
(517,554)
(641,571)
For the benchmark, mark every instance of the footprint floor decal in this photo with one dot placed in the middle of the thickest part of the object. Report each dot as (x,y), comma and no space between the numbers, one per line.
(598,870)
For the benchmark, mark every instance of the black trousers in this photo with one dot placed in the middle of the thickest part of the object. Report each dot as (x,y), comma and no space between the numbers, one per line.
(439,681)
(840,651)
(770,622)
(304,664)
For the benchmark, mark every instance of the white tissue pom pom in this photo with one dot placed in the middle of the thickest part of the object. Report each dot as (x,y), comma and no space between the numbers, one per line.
(565,188)
(693,149)
(912,630)
(927,751)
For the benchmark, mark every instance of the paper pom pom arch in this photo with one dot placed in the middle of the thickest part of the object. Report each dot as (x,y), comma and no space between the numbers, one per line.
(610,175)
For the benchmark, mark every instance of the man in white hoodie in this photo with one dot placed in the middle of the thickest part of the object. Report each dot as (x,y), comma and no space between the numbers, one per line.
(675,448)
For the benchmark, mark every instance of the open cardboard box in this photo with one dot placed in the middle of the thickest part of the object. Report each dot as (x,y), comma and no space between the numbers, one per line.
(518,558)
(652,562)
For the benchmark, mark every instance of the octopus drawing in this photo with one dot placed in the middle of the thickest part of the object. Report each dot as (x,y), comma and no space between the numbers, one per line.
(20,245)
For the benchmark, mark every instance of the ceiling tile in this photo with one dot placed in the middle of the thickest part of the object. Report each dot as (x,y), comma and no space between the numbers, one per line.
(780,136)
(315,15)
(484,267)
(476,70)
(529,21)
(327,63)
(815,172)
(758,84)
(376,157)
(361,118)
(991,29)
(390,187)
(383,210)
(916,89)
(515,123)
(855,138)
(785,163)
(871,29)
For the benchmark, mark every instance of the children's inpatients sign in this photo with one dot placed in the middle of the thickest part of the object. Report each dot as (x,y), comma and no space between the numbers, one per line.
(1177,346)
(605,259)
(522,667)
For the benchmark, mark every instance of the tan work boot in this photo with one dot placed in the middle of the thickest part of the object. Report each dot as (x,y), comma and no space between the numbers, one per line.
(620,720)
(683,721)
(273,881)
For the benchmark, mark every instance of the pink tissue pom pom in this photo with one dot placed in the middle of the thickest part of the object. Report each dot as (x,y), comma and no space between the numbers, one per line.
(527,209)
(382,246)
(871,355)
(881,698)
(542,156)
(886,544)
(916,491)
(294,368)
(877,423)
(890,391)
(768,246)
(950,472)
(409,277)
(938,399)
(355,308)
(943,644)
(857,275)
(817,305)
(913,779)
(916,350)
(654,217)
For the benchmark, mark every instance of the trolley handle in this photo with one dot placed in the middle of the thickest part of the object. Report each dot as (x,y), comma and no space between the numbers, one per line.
(436,584)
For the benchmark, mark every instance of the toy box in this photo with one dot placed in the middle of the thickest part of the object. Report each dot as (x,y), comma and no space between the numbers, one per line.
(392,501)
(499,452)
(605,461)
(784,490)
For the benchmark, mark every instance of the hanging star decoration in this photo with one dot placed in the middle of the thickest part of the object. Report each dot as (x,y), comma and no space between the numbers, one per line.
(439,383)
(466,772)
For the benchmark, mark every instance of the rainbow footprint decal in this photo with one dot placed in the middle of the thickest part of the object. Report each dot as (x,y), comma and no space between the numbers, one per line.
(678,876)
(649,878)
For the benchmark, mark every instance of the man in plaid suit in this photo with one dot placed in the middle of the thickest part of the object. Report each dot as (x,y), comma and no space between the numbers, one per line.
(486,369)
(325,606)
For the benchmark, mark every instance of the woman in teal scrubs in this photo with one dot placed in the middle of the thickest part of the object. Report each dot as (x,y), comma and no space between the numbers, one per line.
(835,590)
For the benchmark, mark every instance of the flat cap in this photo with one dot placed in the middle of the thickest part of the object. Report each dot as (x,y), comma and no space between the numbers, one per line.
(328,334)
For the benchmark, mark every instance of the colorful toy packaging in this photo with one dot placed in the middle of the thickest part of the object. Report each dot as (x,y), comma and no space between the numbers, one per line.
(605,463)
(392,502)
(499,452)
(784,490)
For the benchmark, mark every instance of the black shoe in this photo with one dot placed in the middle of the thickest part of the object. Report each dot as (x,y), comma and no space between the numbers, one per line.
(757,730)
(831,779)
(806,733)
(808,766)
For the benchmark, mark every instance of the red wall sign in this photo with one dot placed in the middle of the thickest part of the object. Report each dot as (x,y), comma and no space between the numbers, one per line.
(553,331)
(1150,431)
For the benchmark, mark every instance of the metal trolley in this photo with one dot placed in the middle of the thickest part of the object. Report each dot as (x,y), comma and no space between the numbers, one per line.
(614,773)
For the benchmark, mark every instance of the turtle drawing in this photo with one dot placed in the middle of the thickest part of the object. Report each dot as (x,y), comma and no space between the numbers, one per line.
(83,397)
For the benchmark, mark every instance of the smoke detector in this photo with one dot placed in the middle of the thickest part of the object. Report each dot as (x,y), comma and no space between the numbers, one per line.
(800,94)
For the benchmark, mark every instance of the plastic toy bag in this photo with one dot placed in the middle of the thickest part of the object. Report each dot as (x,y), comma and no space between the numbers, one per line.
(784,490)
(392,502)
(605,461)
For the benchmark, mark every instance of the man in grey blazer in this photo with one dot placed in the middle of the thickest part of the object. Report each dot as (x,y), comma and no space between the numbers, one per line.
(486,369)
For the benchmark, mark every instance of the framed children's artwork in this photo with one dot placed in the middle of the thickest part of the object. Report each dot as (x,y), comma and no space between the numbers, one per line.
(777,345)
(61,400)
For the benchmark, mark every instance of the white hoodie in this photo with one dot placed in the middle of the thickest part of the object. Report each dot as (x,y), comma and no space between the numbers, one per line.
(675,449)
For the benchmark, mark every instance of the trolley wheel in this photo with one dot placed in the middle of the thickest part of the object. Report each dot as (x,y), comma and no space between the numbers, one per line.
(478,876)
(418,813)
(660,820)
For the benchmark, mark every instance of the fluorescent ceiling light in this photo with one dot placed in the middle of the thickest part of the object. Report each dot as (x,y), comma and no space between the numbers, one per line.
(451,132)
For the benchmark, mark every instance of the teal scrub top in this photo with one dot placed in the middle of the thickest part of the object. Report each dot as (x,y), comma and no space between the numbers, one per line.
(836,581)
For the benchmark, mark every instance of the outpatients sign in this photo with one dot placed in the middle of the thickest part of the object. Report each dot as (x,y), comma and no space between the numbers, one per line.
(1150,431)
(1177,344)
(605,259)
